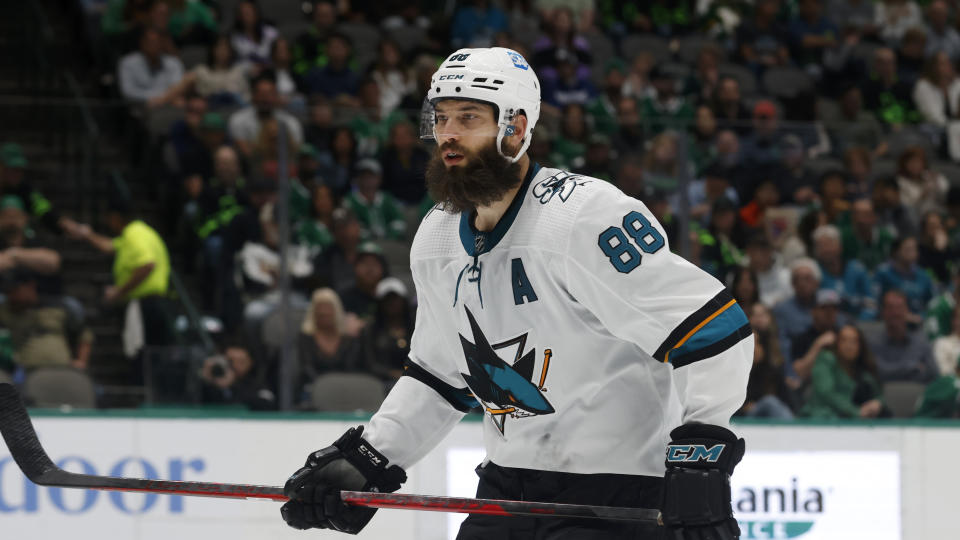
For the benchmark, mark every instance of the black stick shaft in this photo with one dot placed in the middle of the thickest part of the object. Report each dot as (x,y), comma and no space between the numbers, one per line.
(25,448)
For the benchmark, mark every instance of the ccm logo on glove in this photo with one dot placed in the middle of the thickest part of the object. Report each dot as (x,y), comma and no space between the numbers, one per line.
(686,453)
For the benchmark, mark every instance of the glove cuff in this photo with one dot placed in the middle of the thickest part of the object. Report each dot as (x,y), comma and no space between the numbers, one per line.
(704,446)
(371,463)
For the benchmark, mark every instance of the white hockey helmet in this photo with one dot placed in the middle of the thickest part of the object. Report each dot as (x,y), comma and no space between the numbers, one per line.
(498,76)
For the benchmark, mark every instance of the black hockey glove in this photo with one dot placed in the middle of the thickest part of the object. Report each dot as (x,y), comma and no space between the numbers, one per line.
(696,492)
(351,464)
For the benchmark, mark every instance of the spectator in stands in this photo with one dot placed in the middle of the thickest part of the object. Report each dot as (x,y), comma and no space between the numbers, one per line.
(571,143)
(379,214)
(936,255)
(666,109)
(911,58)
(570,86)
(858,167)
(667,18)
(598,158)
(856,127)
(310,47)
(844,380)
(754,214)
(939,314)
(334,268)
(703,193)
(631,136)
(289,84)
(43,333)
(941,399)
(761,149)
(123,18)
(319,127)
(220,81)
(561,33)
(901,273)
(324,344)
(335,79)
(894,215)
(946,348)
(392,77)
(719,255)
(246,126)
(404,162)
(833,194)
(629,177)
(863,239)
(858,16)
(385,342)
(849,279)
(338,159)
(370,123)
(773,278)
(147,74)
(369,268)
(745,288)
(922,189)
(638,84)
(701,85)
(702,144)
(315,230)
(662,165)
(886,93)
(794,315)
(141,272)
(767,393)
(475,24)
(20,250)
(728,107)
(902,354)
(941,36)
(798,181)
(760,41)
(895,18)
(937,92)
(233,377)
(251,36)
(811,34)
(603,108)
(223,198)
(821,334)
(189,138)
(191,22)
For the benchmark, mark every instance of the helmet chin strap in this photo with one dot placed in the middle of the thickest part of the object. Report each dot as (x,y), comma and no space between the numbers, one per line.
(523,147)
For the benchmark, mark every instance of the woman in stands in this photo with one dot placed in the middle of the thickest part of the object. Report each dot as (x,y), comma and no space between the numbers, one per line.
(323,346)
(221,80)
(922,189)
(252,37)
(844,380)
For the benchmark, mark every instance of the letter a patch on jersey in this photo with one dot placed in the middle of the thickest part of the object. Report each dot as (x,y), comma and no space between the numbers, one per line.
(522,289)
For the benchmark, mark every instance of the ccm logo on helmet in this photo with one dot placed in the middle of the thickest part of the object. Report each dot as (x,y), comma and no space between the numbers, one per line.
(450,77)
(680,453)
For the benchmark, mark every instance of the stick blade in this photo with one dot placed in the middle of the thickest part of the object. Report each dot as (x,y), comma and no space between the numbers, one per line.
(21,438)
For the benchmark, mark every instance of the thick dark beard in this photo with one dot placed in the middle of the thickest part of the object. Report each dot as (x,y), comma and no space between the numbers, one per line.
(485,179)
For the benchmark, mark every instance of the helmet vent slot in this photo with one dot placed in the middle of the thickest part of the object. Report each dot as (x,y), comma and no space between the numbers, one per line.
(484,86)
(480,79)
(497,81)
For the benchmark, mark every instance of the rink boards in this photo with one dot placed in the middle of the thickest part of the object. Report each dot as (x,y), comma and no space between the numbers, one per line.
(811,482)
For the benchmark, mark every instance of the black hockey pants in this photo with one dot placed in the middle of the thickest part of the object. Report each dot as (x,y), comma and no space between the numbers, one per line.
(544,486)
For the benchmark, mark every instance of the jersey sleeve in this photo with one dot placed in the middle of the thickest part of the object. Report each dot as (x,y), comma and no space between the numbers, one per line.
(620,267)
(428,400)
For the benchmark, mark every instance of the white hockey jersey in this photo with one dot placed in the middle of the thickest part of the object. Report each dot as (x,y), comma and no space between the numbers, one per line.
(582,337)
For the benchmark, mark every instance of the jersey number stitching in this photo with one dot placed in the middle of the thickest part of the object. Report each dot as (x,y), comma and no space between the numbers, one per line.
(614,243)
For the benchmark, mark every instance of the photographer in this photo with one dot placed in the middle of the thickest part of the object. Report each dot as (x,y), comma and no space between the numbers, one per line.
(233,378)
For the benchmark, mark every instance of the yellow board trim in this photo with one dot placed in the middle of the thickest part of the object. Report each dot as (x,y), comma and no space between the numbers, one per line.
(696,328)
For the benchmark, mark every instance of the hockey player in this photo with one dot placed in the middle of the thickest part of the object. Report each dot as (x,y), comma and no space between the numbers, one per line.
(552,301)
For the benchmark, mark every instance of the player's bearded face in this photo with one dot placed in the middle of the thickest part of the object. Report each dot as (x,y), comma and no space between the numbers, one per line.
(485,176)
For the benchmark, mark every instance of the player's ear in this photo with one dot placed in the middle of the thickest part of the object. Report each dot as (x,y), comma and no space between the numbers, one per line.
(516,129)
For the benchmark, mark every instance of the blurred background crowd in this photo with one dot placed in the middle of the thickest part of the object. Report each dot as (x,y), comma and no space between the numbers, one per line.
(212,201)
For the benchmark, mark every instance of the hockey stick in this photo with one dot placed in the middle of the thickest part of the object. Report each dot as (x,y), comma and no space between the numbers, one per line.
(25,448)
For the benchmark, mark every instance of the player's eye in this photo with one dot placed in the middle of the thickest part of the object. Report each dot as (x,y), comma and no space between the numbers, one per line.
(440,118)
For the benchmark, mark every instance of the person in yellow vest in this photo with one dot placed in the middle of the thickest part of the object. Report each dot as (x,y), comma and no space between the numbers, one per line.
(141,272)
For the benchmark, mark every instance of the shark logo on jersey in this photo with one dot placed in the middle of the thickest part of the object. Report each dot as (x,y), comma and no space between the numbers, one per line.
(560,185)
(504,389)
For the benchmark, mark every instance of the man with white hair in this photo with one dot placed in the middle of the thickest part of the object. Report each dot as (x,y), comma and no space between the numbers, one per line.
(794,315)
(849,278)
